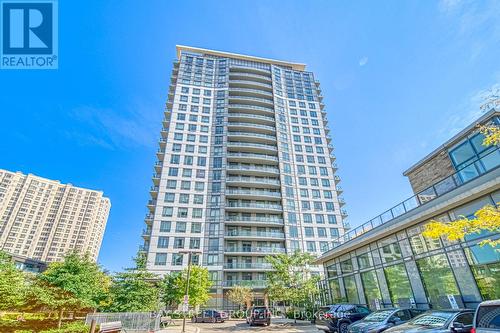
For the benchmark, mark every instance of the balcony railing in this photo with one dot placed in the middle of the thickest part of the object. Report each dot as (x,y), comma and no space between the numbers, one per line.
(245,283)
(252,134)
(254,192)
(251,125)
(252,99)
(249,115)
(250,179)
(254,83)
(252,107)
(251,75)
(253,168)
(244,265)
(255,249)
(474,170)
(254,219)
(252,155)
(264,234)
(250,90)
(254,205)
(251,144)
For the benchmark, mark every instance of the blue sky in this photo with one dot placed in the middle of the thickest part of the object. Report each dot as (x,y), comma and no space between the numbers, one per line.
(399,77)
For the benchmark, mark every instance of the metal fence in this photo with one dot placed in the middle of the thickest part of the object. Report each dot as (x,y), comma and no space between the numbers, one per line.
(131,321)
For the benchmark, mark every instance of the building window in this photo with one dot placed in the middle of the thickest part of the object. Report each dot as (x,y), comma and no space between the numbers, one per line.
(180,227)
(371,288)
(162,242)
(390,252)
(351,290)
(177,259)
(178,243)
(398,284)
(165,226)
(161,259)
(346,266)
(437,278)
(485,265)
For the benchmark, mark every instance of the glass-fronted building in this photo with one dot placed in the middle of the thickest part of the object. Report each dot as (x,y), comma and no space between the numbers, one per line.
(388,262)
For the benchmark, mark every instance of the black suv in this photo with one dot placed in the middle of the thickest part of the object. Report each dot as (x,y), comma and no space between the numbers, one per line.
(259,315)
(338,317)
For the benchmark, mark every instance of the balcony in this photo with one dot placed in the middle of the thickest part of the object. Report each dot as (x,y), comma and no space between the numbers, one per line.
(235,83)
(253,221)
(243,266)
(143,248)
(146,233)
(254,234)
(336,179)
(245,193)
(250,77)
(158,166)
(260,137)
(253,169)
(256,70)
(251,157)
(156,179)
(254,250)
(335,166)
(153,191)
(250,92)
(250,108)
(160,154)
(151,205)
(254,207)
(251,147)
(260,119)
(343,212)
(341,202)
(250,180)
(149,220)
(235,98)
(250,126)
(245,283)
(164,132)
(163,143)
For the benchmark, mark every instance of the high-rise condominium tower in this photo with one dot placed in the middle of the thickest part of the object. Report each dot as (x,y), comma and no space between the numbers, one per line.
(245,169)
(43,219)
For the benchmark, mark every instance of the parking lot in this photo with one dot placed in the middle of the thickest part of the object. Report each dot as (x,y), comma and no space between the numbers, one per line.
(277,325)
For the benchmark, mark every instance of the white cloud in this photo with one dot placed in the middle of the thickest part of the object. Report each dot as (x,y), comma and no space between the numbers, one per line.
(363,61)
(110,129)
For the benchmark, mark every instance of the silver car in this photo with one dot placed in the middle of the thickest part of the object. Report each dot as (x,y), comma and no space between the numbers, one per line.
(487,317)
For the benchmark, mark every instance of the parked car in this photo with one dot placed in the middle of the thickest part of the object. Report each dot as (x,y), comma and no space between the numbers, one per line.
(487,317)
(210,316)
(338,317)
(381,320)
(438,321)
(259,315)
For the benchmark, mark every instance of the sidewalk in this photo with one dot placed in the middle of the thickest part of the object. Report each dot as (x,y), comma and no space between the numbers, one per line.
(178,329)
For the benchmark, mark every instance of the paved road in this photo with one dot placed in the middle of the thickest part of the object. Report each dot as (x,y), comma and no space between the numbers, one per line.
(277,325)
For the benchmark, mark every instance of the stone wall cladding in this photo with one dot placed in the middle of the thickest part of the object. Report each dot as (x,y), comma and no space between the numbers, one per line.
(431,172)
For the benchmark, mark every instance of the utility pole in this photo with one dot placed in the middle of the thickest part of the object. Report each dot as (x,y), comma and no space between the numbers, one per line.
(185,304)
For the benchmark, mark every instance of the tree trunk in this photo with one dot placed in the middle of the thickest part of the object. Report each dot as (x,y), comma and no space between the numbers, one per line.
(59,321)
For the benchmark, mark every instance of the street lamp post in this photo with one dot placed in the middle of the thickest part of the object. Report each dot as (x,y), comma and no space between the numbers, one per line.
(185,305)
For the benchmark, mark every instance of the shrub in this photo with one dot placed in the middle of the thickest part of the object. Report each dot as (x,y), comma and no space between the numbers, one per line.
(75,327)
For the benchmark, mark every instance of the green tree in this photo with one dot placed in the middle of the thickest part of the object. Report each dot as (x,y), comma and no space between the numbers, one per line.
(135,289)
(12,284)
(173,287)
(73,284)
(291,279)
(241,295)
